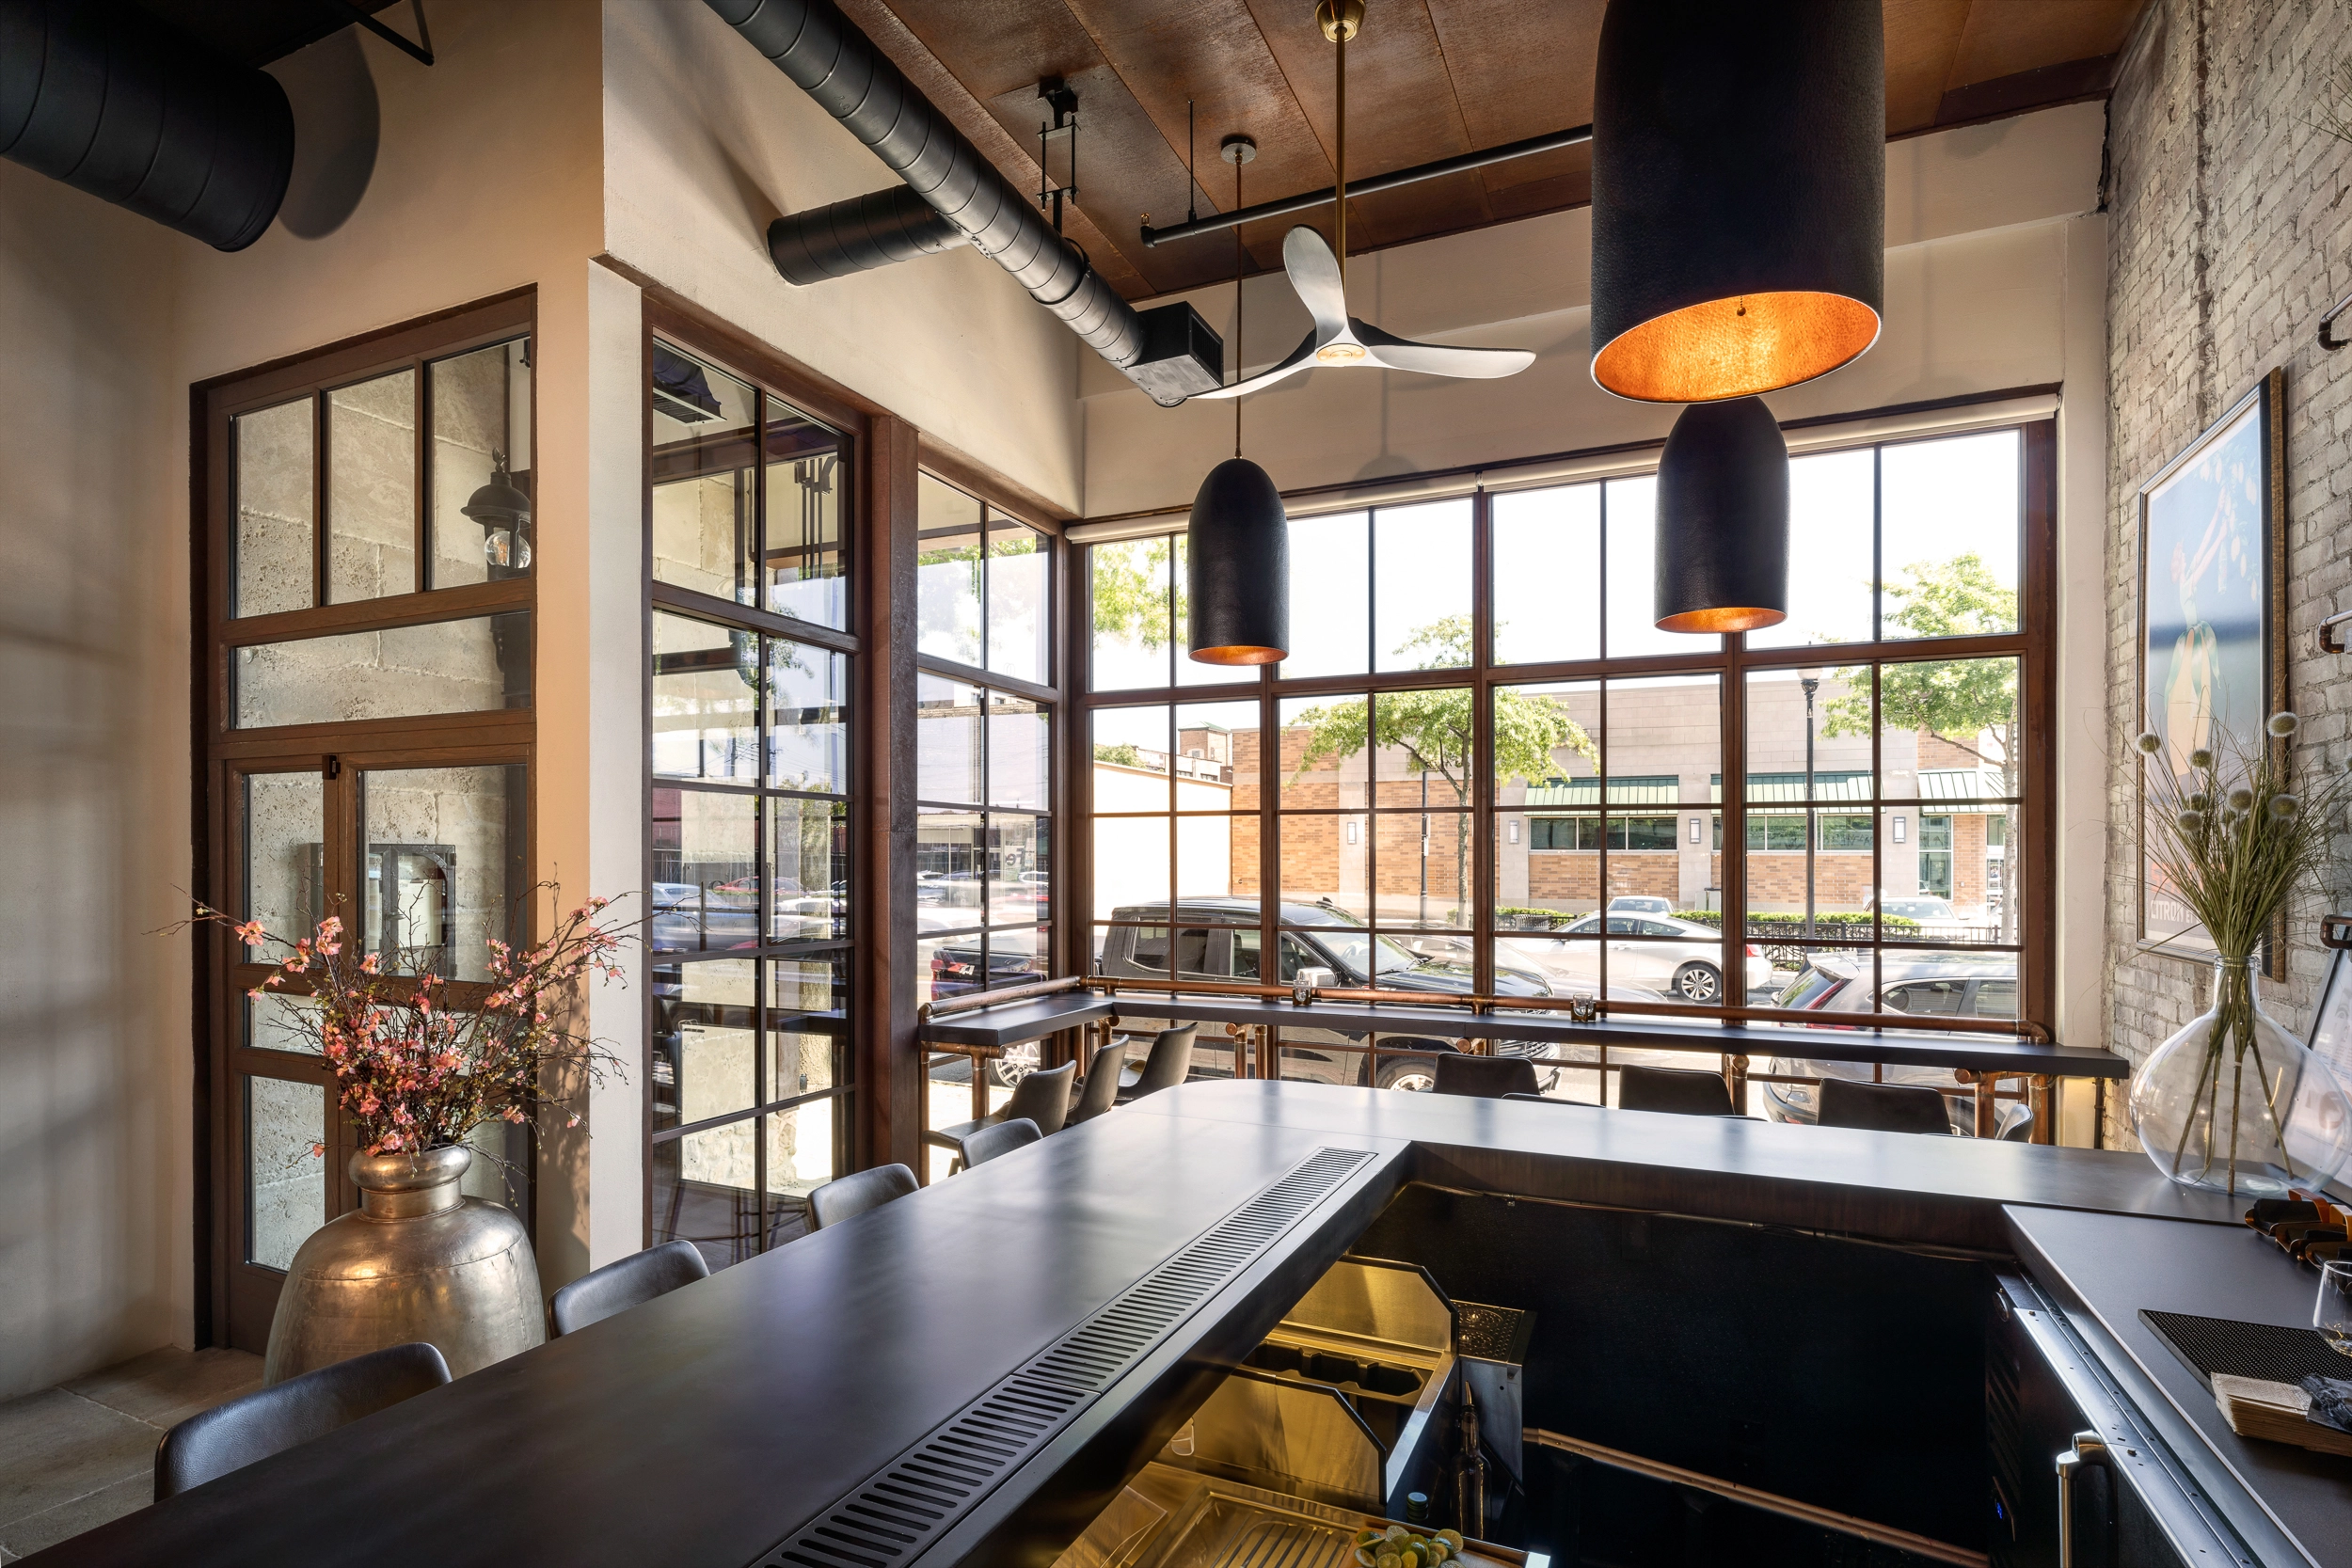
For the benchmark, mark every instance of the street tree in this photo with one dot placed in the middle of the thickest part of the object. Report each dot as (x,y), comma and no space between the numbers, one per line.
(1970,704)
(1436,731)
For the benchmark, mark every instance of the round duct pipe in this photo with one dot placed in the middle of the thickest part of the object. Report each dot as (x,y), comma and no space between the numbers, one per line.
(105,98)
(858,235)
(827,57)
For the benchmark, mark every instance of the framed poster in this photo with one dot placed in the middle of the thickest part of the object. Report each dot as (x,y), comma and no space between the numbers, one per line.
(2212,651)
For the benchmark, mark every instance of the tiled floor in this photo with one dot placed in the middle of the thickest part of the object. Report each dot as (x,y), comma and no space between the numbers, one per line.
(75,1456)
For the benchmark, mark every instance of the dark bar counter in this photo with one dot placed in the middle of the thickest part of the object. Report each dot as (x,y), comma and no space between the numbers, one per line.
(723,1423)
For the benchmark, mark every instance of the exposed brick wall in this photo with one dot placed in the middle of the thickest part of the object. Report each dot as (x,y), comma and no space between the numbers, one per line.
(2230,235)
(1571,876)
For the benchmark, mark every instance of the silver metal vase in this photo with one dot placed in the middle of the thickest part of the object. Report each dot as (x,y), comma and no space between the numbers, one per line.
(418,1260)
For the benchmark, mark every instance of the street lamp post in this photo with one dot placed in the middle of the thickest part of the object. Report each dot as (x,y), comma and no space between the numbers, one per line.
(1811,680)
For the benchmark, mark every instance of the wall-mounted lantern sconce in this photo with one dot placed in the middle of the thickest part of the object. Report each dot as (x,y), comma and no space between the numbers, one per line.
(1903,826)
(504,512)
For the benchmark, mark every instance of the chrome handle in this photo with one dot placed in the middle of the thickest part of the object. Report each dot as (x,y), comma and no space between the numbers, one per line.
(2088,1449)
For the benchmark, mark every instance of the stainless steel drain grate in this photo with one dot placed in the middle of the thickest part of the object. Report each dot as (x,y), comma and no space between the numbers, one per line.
(892,1518)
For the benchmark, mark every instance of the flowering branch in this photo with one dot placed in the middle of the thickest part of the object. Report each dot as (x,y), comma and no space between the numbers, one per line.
(416,1072)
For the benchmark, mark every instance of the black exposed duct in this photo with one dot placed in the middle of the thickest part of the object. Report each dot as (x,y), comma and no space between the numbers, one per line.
(103,97)
(858,235)
(827,57)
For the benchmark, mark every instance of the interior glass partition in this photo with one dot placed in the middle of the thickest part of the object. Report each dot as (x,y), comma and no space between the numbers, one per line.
(749,776)
(984,715)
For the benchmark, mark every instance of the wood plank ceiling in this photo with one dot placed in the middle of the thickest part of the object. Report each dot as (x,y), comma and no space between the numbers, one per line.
(1427,79)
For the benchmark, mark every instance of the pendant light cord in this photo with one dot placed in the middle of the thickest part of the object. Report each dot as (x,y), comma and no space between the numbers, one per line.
(1241,265)
(1339,223)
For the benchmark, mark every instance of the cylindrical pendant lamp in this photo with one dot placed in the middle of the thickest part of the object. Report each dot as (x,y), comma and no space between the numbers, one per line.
(1237,567)
(1739,194)
(1722,520)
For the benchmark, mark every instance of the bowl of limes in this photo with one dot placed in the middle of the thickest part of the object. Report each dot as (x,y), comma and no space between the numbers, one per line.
(1399,1546)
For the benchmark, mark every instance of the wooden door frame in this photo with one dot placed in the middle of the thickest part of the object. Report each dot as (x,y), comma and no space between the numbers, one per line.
(219,751)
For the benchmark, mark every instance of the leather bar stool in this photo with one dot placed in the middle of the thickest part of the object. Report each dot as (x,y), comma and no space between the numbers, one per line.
(1167,1065)
(1043,1097)
(1676,1090)
(992,1143)
(230,1436)
(1484,1077)
(1884,1107)
(851,1195)
(1101,1086)
(631,1282)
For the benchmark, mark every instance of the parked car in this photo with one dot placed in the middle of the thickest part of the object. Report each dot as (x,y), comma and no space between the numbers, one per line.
(1660,953)
(694,917)
(956,972)
(1331,939)
(1956,987)
(1640,903)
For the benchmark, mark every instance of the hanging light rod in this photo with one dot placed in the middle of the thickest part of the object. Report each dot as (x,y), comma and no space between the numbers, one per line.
(1218,222)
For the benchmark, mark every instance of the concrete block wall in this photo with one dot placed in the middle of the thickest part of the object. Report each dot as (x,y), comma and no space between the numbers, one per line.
(2230,234)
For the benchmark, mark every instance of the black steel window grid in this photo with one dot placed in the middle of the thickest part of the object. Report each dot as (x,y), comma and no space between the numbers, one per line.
(1729,660)
(977,941)
(765,636)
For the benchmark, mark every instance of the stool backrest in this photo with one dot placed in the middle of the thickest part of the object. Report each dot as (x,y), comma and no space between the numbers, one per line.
(1673,1089)
(1484,1077)
(631,1282)
(1170,1061)
(1884,1107)
(231,1435)
(1001,1138)
(852,1194)
(1102,1090)
(1043,1097)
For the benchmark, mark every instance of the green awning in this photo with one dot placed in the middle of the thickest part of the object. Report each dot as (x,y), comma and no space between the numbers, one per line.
(1960,784)
(1655,789)
(1765,789)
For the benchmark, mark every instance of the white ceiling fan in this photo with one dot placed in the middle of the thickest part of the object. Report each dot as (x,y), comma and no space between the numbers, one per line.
(1320,277)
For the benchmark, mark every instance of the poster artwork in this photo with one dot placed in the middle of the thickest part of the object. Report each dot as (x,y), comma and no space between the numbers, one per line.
(2206,545)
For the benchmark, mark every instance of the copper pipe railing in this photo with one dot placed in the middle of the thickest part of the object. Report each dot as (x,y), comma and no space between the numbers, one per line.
(993,998)
(1480,1005)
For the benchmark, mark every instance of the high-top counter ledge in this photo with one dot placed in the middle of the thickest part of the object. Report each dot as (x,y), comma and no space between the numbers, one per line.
(710,1426)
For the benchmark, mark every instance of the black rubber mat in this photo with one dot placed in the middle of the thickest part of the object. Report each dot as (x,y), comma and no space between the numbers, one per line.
(2233,1349)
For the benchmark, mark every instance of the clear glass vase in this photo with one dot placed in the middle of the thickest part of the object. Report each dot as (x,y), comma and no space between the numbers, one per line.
(2234,1103)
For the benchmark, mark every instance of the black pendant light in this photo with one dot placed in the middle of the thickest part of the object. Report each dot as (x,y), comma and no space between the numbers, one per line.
(1722,520)
(1237,547)
(1739,194)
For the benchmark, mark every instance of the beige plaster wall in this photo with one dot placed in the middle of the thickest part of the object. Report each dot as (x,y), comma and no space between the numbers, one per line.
(705,143)
(95,1073)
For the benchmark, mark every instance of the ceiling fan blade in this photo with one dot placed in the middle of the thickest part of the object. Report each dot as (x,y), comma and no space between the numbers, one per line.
(1403,353)
(1316,275)
(1300,359)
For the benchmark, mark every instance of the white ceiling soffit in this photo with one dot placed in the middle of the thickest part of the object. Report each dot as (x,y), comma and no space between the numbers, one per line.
(1619,465)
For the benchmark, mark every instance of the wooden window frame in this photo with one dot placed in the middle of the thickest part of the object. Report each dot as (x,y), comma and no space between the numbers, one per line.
(768,378)
(2032,875)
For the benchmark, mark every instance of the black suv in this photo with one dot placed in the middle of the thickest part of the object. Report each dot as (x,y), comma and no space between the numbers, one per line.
(1220,947)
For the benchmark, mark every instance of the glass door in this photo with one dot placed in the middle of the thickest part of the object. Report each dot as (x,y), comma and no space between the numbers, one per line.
(425,864)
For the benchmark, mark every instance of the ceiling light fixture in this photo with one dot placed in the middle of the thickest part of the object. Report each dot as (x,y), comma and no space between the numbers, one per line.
(1722,520)
(1339,339)
(1237,543)
(1739,194)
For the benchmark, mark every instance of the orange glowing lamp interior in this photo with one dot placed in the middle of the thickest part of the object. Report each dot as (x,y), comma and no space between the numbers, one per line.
(1736,348)
(1724,618)
(1239,652)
